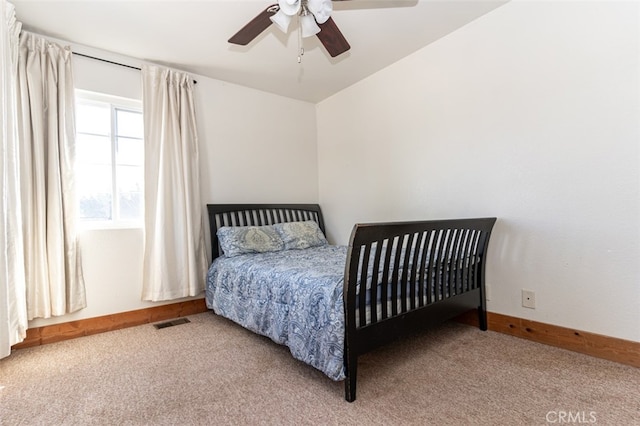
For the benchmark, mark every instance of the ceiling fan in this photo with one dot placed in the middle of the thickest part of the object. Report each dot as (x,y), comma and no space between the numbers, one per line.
(315,19)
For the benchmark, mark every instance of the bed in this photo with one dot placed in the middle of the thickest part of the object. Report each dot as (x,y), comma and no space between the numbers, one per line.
(274,273)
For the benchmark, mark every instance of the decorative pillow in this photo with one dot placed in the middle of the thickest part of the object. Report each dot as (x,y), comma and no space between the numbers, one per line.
(300,235)
(236,240)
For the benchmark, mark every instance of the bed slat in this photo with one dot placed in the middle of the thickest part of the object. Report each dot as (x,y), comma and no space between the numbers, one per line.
(374,279)
(423,270)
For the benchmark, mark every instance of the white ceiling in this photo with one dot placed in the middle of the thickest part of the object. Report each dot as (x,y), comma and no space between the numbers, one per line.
(192,36)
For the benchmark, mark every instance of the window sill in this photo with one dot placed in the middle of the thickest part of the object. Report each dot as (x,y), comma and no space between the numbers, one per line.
(108,225)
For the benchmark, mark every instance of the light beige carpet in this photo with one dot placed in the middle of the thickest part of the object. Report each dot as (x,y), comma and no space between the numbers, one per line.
(211,371)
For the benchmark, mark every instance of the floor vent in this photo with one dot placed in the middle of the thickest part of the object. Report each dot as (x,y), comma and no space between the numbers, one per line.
(171,323)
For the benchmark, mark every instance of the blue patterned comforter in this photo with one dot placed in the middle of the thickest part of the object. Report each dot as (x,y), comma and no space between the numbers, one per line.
(293,297)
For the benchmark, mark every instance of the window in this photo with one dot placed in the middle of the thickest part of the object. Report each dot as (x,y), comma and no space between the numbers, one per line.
(109,159)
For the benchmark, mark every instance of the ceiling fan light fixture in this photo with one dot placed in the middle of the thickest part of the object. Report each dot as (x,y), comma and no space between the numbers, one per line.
(308,25)
(321,9)
(290,7)
(282,20)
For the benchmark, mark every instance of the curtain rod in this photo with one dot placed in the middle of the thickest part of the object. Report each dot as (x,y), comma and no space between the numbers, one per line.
(114,63)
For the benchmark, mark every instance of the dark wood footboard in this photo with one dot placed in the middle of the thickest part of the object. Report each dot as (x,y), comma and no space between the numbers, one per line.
(424,272)
(416,274)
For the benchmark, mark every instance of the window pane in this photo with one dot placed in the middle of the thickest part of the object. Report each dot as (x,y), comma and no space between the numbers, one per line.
(94,191)
(95,207)
(95,119)
(93,178)
(130,205)
(129,123)
(130,178)
(109,158)
(130,196)
(93,149)
(130,152)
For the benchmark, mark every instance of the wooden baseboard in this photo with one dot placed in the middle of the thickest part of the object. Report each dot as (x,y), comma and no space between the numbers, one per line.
(611,348)
(85,327)
(597,345)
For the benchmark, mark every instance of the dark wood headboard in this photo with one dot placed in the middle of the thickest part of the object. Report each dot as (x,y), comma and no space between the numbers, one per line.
(258,215)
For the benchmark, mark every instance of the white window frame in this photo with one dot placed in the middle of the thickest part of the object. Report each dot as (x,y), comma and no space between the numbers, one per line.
(115,102)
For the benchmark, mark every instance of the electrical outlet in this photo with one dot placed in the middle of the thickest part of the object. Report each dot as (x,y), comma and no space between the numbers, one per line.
(487,292)
(528,299)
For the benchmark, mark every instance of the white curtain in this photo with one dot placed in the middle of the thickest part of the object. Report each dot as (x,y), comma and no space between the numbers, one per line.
(13,307)
(175,261)
(55,285)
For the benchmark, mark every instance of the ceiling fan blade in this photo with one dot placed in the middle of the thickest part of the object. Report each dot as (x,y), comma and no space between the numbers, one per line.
(332,39)
(255,27)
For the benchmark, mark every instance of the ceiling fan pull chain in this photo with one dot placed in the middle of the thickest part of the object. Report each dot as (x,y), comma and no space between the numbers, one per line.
(300,46)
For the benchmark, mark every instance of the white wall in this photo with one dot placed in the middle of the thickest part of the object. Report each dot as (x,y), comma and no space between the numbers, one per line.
(531,114)
(255,147)
(245,154)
